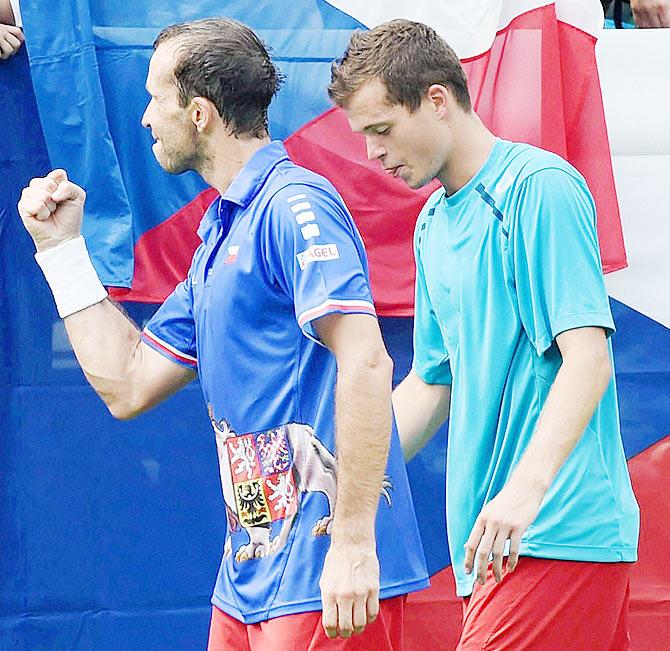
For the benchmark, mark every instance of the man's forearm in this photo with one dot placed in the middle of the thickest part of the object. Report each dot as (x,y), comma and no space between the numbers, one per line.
(107,345)
(363,426)
(420,409)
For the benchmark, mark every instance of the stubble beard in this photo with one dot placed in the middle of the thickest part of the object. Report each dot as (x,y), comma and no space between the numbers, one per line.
(185,158)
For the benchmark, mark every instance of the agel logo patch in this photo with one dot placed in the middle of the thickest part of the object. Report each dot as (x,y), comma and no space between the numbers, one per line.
(317,253)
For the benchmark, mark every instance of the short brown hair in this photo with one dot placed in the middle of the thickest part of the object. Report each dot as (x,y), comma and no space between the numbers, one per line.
(223,60)
(408,57)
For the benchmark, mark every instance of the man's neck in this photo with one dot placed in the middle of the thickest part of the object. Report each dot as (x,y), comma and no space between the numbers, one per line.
(227,157)
(470,150)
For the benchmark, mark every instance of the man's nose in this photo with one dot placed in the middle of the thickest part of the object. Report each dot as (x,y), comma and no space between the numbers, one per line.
(375,150)
(145,120)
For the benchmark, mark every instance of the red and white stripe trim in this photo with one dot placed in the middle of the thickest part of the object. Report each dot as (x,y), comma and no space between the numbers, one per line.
(169,350)
(336,305)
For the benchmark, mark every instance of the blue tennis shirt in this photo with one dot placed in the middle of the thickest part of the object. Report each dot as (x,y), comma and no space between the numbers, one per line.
(279,250)
(504,265)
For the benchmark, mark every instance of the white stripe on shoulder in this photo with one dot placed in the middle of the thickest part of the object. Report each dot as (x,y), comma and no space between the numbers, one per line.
(295,197)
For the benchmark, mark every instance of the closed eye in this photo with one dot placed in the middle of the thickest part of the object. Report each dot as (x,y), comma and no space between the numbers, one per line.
(377,130)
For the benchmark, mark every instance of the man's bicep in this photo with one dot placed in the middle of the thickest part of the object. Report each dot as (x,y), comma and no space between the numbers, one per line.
(350,336)
(583,342)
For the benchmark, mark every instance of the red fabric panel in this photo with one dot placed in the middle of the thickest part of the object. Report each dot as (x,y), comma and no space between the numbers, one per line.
(650,578)
(433,617)
(163,254)
(587,144)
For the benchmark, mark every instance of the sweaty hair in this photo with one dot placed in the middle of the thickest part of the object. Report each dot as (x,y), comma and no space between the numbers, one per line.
(408,57)
(223,61)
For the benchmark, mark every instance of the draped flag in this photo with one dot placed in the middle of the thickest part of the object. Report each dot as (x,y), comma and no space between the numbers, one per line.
(532,75)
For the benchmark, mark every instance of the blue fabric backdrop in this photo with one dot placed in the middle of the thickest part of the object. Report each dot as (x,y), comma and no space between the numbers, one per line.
(111,532)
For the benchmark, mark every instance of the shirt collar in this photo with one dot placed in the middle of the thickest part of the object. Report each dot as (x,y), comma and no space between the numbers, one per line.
(245,186)
(250,179)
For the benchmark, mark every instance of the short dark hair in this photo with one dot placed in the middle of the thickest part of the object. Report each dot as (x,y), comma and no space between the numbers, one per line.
(408,57)
(223,61)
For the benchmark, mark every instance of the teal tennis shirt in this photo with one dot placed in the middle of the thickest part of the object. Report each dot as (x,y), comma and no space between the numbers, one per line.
(504,265)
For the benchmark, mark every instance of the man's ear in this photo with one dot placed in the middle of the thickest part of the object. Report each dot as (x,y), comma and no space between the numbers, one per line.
(202,112)
(441,99)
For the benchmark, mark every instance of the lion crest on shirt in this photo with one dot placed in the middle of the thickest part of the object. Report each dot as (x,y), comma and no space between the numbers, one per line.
(263,476)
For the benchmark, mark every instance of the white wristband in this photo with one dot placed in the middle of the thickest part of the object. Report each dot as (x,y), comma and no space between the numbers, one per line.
(71,276)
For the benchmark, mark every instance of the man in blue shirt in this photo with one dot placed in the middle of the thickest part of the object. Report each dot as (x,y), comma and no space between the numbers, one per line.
(274,315)
(511,342)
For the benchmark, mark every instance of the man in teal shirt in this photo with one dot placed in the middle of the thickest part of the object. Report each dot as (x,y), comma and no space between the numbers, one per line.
(511,342)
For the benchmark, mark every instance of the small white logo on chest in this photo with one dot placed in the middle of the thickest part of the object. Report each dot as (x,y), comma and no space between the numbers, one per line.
(232,255)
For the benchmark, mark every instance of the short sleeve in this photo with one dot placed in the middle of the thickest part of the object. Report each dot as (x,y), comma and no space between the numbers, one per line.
(171,330)
(315,254)
(555,258)
(431,359)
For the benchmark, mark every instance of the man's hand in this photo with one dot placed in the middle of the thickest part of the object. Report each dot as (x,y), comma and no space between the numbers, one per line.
(349,588)
(651,13)
(350,578)
(505,517)
(11,38)
(51,209)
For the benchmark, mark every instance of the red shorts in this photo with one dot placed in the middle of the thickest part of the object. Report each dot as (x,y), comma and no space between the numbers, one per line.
(303,632)
(548,605)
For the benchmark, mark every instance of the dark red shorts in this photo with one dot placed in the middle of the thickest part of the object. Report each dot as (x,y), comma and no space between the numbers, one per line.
(303,632)
(548,605)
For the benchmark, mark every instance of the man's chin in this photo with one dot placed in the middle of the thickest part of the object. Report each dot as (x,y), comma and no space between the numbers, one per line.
(172,167)
(413,184)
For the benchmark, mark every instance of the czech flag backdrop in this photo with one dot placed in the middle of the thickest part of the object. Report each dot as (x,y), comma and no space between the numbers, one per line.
(112,532)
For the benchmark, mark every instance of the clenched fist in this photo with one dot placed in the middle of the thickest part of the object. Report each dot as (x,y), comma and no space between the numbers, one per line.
(51,209)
